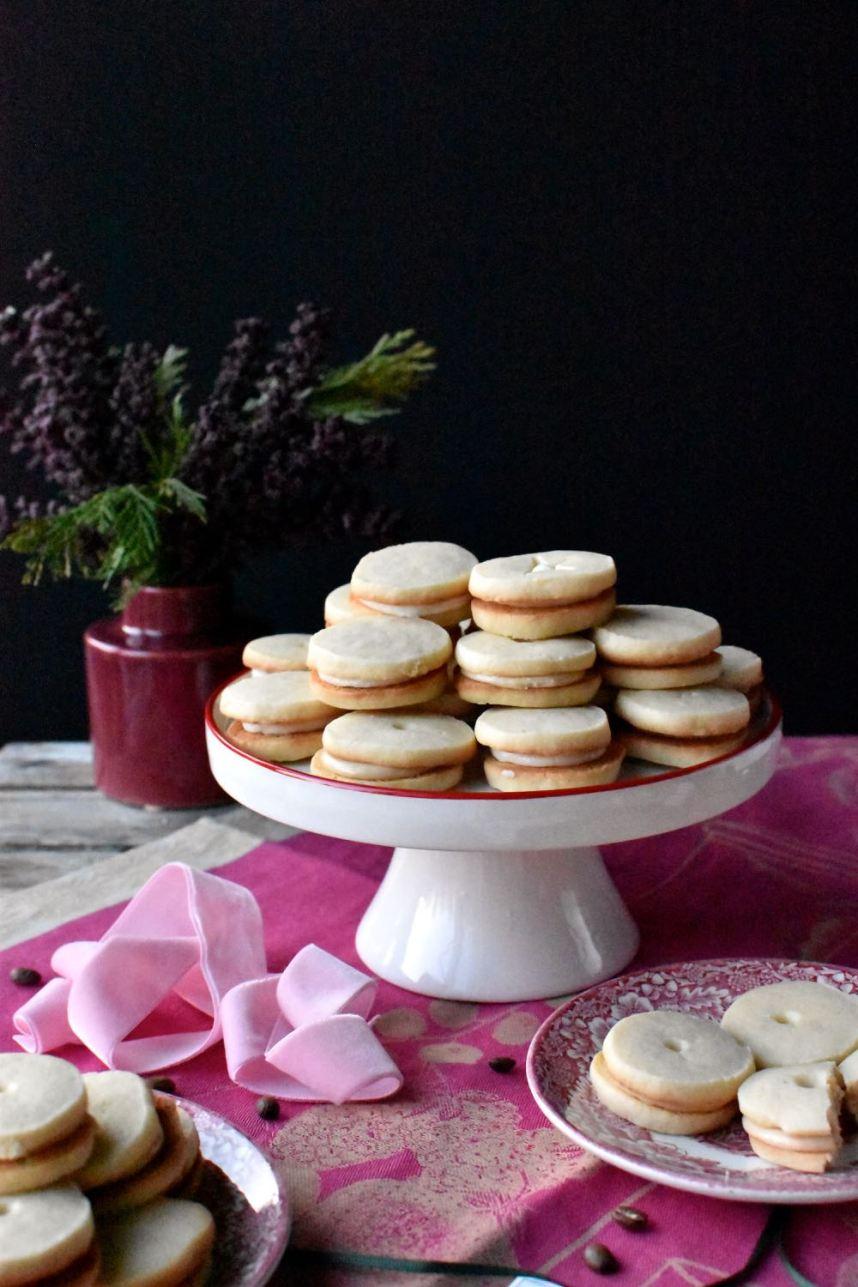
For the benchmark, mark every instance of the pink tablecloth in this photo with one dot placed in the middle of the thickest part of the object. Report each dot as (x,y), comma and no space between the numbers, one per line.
(461,1165)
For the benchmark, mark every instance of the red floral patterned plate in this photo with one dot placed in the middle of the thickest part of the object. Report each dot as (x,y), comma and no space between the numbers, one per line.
(720,1165)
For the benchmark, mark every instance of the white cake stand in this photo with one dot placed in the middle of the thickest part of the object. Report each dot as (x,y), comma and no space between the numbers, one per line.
(492,896)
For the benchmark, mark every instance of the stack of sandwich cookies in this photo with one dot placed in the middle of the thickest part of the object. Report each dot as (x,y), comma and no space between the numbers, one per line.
(671,1072)
(541,596)
(494,670)
(681,727)
(547,750)
(792,1115)
(276,716)
(273,653)
(742,670)
(48,1238)
(400,749)
(167,1243)
(46,1133)
(423,579)
(146,1145)
(378,664)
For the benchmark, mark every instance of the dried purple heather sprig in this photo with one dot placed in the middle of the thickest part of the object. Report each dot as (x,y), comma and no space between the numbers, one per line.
(278,451)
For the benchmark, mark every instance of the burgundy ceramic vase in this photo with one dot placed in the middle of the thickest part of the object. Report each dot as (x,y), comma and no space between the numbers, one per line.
(149,672)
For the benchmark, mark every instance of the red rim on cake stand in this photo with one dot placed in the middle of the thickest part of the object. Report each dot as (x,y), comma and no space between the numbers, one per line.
(494,896)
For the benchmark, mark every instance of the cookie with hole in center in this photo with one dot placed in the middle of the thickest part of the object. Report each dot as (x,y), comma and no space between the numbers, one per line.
(494,670)
(271,654)
(547,750)
(398,749)
(651,1117)
(794,1022)
(376,663)
(653,634)
(48,1237)
(276,717)
(425,579)
(543,596)
(43,1101)
(792,1115)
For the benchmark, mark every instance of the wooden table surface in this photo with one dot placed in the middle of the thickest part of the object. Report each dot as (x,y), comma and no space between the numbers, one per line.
(53,821)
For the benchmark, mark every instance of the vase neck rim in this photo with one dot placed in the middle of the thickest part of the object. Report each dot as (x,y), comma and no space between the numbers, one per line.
(176,609)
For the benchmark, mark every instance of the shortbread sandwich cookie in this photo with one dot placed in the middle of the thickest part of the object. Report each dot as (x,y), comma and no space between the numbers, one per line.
(276,717)
(494,670)
(396,749)
(128,1130)
(378,663)
(559,749)
(794,1023)
(649,1116)
(49,1164)
(690,674)
(47,1238)
(681,726)
(164,1173)
(743,670)
(427,579)
(543,596)
(162,1244)
(649,634)
(792,1114)
(340,607)
(272,653)
(42,1102)
(848,1070)
(676,1061)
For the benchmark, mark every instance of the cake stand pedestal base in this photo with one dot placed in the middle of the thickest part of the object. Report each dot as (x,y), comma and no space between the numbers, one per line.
(496,926)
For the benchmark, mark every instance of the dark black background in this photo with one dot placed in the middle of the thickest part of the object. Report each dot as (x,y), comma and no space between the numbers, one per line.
(627,226)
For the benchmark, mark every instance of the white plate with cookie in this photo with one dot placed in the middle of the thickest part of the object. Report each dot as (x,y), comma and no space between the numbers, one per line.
(720,1164)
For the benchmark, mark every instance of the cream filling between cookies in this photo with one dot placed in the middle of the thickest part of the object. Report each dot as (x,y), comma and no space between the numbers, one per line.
(370,772)
(548,761)
(526,681)
(416,609)
(290,726)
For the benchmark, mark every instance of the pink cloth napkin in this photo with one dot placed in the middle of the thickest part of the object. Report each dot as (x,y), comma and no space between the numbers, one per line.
(303,1035)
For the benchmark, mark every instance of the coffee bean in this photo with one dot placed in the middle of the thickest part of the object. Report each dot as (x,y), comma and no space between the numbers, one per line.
(165,1084)
(503,1064)
(631,1218)
(25,977)
(600,1259)
(268,1108)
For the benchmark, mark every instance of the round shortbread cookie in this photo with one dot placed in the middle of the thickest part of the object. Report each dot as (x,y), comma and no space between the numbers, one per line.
(42,1101)
(401,740)
(340,607)
(794,1023)
(373,651)
(814,1163)
(651,1118)
(684,712)
(504,775)
(128,1132)
(676,1061)
(50,1164)
(271,653)
(157,1245)
(283,699)
(43,1233)
(740,668)
(280,748)
(550,577)
(551,732)
(168,1168)
(433,780)
(580,691)
(799,1099)
(482,655)
(418,573)
(677,752)
(542,622)
(781,1139)
(651,634)
(689,675)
